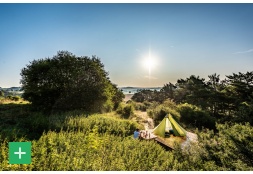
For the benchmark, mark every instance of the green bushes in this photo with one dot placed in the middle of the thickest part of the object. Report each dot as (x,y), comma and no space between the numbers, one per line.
(195,117)
(141,106)
(90,151)
(102,142)
(125,110)
(74,150)
(158,112)
(230,148)
(104,124)
(189,115)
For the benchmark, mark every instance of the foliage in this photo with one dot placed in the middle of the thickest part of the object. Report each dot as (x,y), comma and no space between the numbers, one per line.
(195,117)
(17,120)
(77,141)
(93,150)
(229,149)
(225,100)
(104,124)
(125,110)
(90,151)
(147,95)
(160,111)
(67,82)
(141,106)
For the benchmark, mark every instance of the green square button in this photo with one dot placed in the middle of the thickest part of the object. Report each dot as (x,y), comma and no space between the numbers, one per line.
(20,152)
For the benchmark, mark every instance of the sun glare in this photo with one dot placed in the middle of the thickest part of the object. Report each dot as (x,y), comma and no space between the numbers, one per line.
(149,63)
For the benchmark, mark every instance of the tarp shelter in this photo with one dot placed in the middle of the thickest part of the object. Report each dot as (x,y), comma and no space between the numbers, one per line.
(169,125)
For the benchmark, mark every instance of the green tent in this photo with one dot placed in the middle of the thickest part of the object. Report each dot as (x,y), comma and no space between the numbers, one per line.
(169,125)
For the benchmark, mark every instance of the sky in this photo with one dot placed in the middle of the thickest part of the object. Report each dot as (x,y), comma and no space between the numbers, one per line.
(178,39)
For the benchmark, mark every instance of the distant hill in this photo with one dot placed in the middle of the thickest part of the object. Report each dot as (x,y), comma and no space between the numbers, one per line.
(129,87)
(133,90)
(12,91)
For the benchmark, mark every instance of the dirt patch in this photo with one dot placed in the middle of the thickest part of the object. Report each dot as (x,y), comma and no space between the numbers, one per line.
(144,119)
(128,97)
(190,138)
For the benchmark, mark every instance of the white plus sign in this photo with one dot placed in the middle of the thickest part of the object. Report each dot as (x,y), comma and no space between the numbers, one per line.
(19,153)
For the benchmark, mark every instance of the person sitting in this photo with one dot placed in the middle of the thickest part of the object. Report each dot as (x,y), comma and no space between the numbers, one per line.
(136,134)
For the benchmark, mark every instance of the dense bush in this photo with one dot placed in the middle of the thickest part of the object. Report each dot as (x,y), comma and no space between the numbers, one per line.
(141,106)
(158,112)
(125,110)
(90,151)
(229,149)
(195,117)
(104,124)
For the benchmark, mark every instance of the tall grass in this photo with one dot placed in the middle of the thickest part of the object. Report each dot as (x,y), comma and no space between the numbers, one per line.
(93,143)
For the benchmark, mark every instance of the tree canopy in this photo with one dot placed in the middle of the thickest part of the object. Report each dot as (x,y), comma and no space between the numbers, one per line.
(68,82)
(225,100)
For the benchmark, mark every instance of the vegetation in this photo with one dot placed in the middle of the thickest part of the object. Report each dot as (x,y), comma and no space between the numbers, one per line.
(68,116)
(125,110)
(228,100)
(104,142)
(67,82)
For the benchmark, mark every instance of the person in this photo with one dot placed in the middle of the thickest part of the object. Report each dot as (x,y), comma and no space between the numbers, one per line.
(136,134)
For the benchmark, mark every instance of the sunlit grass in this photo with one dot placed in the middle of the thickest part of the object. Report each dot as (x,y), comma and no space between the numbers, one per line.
(9,101)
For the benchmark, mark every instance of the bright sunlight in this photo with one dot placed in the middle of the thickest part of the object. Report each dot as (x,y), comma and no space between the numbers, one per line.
(150,63)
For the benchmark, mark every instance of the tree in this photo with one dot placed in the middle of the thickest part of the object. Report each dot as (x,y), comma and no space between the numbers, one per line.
(192,90)
(67,82)
(143,95)
(196,117)
(238,92)
(168,90)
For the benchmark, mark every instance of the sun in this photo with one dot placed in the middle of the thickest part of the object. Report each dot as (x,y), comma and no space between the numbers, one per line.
(149,62)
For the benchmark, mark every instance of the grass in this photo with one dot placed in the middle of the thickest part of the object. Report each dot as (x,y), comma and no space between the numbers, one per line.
(76,141)
(9,101)
(173,140)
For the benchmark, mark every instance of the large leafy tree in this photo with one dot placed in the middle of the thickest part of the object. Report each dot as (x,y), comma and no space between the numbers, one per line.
(68,82)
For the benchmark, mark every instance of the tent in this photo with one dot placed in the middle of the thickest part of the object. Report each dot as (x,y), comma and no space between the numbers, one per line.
(169,125)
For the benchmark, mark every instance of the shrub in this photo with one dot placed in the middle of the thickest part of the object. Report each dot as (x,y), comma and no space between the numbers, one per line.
(158,112)
(193,116)
(16,98)
(125,110)
(128,111)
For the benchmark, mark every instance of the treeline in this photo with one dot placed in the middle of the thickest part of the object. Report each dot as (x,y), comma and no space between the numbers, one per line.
(228,100)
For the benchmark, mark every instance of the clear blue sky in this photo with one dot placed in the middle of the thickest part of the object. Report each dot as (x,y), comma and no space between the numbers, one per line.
(184,39)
